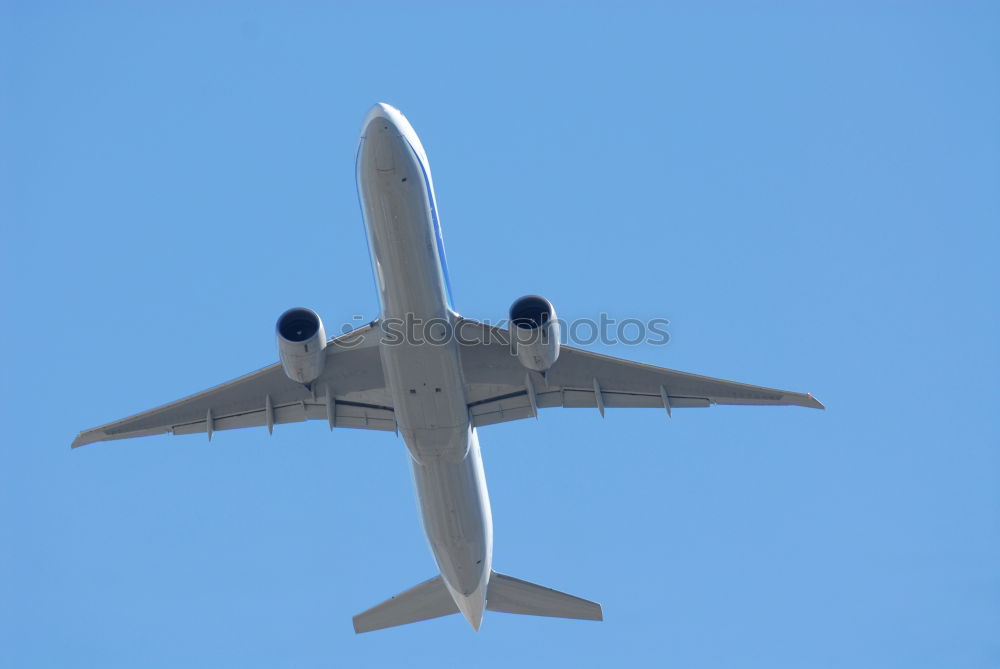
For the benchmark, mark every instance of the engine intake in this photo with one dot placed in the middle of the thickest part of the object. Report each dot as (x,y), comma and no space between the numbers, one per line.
(535,332)
(301,344)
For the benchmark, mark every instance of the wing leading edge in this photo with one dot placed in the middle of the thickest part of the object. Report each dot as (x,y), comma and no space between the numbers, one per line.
(500,389)
(350,393)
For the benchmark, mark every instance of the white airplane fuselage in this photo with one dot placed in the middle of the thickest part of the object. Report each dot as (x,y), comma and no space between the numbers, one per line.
(421,363)
(440,388)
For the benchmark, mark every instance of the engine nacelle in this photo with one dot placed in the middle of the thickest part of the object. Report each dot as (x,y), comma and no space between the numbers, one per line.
(534,332)
(301,344)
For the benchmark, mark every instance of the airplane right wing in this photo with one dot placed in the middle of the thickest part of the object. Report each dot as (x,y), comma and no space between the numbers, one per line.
(350,393)
(500,389)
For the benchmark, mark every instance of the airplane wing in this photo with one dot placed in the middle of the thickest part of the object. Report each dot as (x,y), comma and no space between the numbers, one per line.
(350,393)
(500,389)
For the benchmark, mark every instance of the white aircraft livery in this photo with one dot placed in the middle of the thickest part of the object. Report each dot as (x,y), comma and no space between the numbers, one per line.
(423,371)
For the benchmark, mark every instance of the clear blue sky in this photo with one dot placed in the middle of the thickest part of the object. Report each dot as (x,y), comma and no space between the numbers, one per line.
(808,191)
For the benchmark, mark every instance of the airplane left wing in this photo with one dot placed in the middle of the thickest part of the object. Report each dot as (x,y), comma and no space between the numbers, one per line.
(350,393)
(499,388)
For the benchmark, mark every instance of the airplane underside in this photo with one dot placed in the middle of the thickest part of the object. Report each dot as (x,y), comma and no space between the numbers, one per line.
(435,394)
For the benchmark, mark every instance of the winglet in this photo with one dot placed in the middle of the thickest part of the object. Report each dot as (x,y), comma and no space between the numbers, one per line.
(814,403)
(88,437)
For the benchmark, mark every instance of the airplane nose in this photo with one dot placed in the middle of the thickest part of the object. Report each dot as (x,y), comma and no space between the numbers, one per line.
(381,141)
(383,112)
(382,108)
(381,136)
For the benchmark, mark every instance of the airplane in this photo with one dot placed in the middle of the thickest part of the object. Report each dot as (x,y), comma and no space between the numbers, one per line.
(435,388)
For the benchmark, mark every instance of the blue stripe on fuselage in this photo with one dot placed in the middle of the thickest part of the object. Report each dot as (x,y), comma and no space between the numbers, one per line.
(364,218)
(437,225)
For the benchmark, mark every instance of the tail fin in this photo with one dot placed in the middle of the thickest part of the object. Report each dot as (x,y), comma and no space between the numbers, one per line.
(512,595)
(430,599)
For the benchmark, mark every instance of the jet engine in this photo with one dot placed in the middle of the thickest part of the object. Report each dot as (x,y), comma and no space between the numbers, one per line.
(534,332)
(301,344)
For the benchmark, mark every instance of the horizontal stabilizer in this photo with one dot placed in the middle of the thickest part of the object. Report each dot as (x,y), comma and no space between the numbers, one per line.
(430,599)
(512,595)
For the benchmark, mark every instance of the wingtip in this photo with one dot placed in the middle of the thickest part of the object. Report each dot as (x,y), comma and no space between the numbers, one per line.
(85,438)
(815,403)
